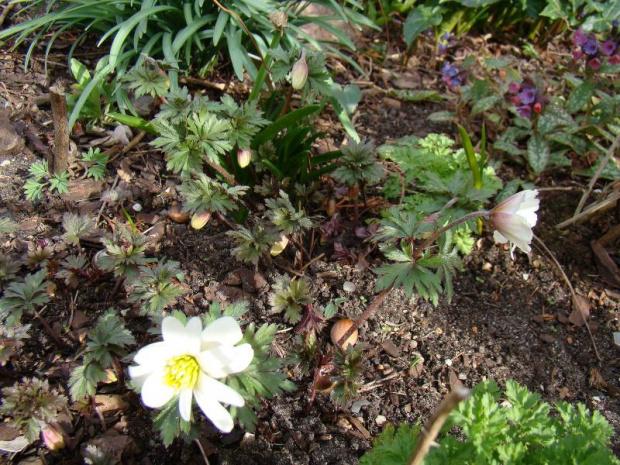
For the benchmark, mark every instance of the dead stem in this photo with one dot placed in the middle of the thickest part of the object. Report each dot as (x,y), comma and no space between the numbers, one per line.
(434,425)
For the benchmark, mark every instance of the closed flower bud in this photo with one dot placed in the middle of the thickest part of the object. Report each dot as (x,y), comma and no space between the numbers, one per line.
(52,439)
(299,74)
(244,156)
(537,107)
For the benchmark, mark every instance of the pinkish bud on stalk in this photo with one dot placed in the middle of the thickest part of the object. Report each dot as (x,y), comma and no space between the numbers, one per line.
(244,156)
(299,73)
(52,438)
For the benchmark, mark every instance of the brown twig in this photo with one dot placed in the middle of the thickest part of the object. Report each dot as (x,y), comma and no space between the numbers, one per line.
(6,12)
(434,425)
(586,194)
(364,316)
(572,290)
(59,342)
(229,178)
(59,162)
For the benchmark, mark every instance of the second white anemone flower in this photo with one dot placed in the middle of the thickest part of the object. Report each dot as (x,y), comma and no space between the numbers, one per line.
(188,363)
(514,218)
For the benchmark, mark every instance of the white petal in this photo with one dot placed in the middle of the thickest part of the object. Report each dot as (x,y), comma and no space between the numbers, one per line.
(511,204)
(185,404)
(224,330)
(219,391)
(214,411)
(139,373)
(154,354)
(499,238)
(154,392)
(519,233)
(186,338)
(221,361)
(529,207)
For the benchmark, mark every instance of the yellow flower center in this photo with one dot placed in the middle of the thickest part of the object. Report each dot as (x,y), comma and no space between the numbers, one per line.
(181,372)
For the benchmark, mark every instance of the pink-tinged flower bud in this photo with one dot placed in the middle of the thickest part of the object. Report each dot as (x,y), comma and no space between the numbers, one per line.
(299,74)
(614,60)
(577,54)
(514,87)
(199,220)
(514,218)
(594,63)
(244,156)
(537,107)
(52,438)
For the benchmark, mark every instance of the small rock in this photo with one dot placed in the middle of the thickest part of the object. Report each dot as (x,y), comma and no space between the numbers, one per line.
(413,344)
(448,362)
(137,207)
(462,376)
(5,163)
(487,267)
(407,408)
(390,348)
(548,338)
(392,103)
(348,286)
(380,420)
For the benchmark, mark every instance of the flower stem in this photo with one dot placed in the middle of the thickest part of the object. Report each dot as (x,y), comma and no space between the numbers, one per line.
(462,219)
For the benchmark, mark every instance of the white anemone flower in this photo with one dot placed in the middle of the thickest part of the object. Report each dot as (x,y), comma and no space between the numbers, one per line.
(188,363)
(514,218)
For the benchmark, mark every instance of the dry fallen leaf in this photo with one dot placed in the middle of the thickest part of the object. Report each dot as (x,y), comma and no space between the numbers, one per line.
(581,310)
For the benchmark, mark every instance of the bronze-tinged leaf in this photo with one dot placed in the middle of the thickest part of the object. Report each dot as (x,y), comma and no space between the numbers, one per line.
(581,310)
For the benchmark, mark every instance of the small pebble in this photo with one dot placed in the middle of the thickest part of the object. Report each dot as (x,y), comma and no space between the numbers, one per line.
(348,286)
(380,367)
(5,163)
(413,344)
(487,267)
(137,207)
(462,376)
(448,362)
(381,420)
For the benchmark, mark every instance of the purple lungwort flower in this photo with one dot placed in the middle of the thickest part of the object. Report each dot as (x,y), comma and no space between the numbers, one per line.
(608,47)
(525,111)
(527,95)
(577,54)
(579,38)
(590,47)
(449,71)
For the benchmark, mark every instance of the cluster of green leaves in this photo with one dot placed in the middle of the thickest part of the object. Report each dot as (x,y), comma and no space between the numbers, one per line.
(516,427)
(156,287)
(106,342)
(95,162)
(581,118)
(417,267)
(94,95)
(71,269)
(531,18)
(24,296)
(30,405)
(286,217)
(262,378)
(124,252)
(188,35)
(254,244)
(206,195)
(288,296)
(191,131)
(347,372)
(41,179)
(358,165)
(77,226)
